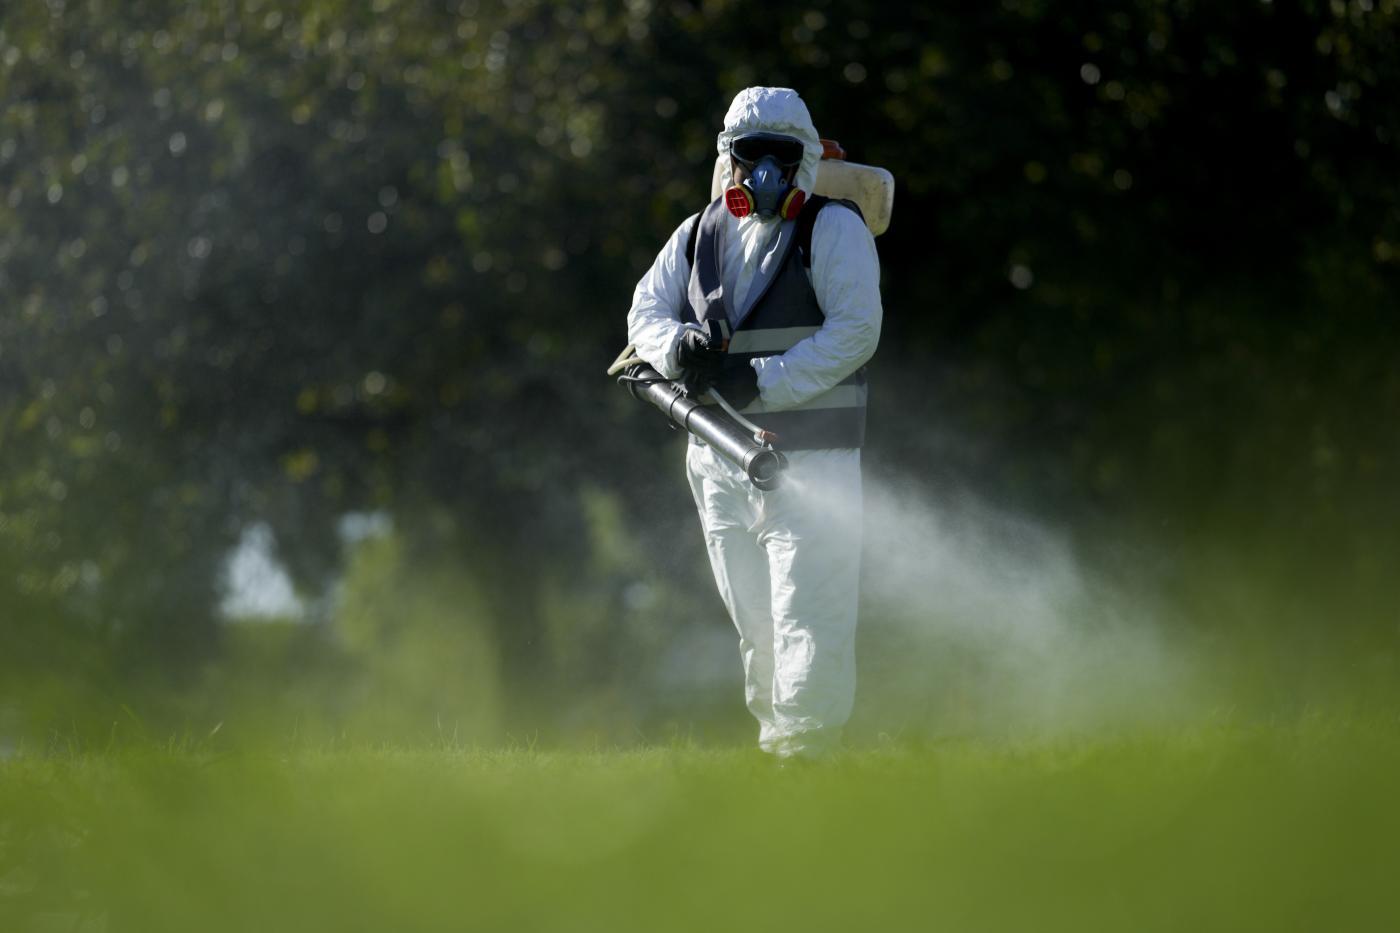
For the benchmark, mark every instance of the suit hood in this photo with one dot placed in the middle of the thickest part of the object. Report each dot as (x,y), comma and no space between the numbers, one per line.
(772,110)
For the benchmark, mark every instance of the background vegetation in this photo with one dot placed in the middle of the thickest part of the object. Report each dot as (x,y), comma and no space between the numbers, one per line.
(271,268)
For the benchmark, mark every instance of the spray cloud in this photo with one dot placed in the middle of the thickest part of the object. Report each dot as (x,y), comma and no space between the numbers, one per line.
(974,619)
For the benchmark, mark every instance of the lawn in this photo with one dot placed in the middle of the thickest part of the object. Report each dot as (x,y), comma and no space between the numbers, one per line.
(1224,826)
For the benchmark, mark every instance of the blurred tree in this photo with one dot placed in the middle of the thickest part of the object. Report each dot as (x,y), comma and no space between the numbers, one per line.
(279,264)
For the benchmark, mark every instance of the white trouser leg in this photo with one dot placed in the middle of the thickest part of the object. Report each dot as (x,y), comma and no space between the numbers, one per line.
(787,564)
(727,513)
(812,534)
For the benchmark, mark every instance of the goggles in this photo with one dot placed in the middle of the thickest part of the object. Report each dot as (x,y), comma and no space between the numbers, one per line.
(751,147)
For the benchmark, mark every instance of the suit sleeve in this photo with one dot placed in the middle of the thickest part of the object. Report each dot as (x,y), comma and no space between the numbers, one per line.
(654,323)
(846,279)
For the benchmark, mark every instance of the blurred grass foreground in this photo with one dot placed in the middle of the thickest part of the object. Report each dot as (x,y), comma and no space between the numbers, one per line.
(1226,828)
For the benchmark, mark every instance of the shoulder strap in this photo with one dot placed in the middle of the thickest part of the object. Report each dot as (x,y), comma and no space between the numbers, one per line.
(690,240)
(807,221)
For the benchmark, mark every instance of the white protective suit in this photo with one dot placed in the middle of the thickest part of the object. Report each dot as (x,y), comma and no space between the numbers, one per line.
(787,562)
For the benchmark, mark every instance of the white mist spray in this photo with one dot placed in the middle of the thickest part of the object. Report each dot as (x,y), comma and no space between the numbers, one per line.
(974,620)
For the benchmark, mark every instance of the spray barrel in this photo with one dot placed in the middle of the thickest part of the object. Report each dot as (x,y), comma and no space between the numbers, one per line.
(763,465)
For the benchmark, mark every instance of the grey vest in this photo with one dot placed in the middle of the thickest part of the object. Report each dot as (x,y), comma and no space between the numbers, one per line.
(780,310)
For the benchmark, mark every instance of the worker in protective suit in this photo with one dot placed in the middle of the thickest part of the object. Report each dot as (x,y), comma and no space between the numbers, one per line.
(796,278)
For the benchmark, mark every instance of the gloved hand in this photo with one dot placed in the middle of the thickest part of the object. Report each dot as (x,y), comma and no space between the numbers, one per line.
(738,383)
(698,355)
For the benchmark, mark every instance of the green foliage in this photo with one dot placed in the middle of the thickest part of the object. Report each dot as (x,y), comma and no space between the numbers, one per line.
(278,264)
(420,637)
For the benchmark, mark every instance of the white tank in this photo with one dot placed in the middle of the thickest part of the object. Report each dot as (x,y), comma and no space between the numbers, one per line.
(870,187)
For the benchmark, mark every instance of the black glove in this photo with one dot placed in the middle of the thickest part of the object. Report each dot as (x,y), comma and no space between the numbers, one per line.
(698,354)
(737,383)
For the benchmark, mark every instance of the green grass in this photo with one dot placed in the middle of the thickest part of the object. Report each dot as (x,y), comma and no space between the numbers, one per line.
(1230,827)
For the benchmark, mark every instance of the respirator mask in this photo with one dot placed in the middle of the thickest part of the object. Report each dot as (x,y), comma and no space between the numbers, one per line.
(769,159)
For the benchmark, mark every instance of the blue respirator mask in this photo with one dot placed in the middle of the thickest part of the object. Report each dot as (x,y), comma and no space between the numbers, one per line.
(769,159)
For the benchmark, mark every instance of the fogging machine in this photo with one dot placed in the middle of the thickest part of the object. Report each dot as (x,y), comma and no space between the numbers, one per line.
(733,437)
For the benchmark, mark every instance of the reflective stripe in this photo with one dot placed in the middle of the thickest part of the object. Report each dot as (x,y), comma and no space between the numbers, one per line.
(769,339)
(842,396)
(839,397)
